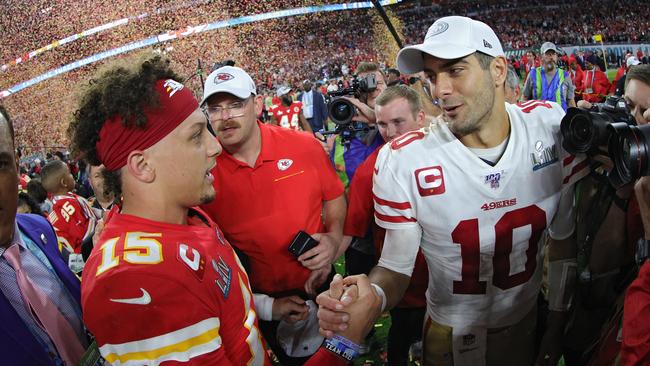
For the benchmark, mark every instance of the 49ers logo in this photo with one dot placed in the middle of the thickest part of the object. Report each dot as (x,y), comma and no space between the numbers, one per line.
(430,181)
(406,139)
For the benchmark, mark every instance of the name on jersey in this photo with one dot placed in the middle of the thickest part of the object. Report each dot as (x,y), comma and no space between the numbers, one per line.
(498,204)
(225,275)
(543,156)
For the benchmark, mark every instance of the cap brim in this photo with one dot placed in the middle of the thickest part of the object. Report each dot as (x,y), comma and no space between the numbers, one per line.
(239,93)
(411,58)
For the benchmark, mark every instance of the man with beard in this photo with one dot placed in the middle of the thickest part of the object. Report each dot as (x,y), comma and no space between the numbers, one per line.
(550,82)
(477,192)
(163,285)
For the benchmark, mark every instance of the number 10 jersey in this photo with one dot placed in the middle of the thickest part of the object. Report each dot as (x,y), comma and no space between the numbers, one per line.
(482,225)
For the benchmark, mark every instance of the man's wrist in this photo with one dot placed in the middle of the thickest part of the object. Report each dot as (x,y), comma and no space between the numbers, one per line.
(342,347)
(381,294)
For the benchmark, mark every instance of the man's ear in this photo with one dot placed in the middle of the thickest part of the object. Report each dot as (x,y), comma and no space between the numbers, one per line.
(421,118)
(499,70)
(139,167)
(259,105)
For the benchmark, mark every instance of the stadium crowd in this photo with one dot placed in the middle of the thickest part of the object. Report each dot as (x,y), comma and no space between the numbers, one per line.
(321,44)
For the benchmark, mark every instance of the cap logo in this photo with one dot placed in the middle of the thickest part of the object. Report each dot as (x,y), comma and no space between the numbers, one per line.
(222,77)
(172,86)
(436,28)
(486,44)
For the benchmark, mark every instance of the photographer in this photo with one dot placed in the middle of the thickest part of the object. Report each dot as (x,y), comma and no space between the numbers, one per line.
(608,228)
(348,155)
(635,347)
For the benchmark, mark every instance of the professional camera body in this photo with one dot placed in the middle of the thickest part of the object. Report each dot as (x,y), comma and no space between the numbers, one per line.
(341,111)
(609,129)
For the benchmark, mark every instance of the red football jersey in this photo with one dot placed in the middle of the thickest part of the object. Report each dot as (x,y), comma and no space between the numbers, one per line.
(288,117)
(73,220)
(155,292)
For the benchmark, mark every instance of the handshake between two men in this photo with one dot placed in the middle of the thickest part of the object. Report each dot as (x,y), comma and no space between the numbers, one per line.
(347,312)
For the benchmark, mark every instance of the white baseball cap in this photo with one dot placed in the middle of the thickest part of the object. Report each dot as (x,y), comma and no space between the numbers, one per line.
(632,61)
(229,79)
(282,90)
(450,38)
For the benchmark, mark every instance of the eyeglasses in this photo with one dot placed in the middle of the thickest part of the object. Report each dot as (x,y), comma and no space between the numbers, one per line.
(235,109)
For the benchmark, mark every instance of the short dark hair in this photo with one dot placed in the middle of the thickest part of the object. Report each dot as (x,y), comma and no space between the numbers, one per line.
(484,60)
(36,190)
(26,199)
(364,67)
(640,73)
(51,174)
(394,72)
(10,124)
(122,88)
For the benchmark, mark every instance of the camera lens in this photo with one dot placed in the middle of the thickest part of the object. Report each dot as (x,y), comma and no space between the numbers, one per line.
(581,129)
(629,150)
(584,131)
(341,111)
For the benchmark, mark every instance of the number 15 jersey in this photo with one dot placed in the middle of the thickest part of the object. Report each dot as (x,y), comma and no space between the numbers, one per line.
(482,225)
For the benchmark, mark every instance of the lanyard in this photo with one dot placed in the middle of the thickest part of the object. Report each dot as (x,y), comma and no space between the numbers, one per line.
(593,74)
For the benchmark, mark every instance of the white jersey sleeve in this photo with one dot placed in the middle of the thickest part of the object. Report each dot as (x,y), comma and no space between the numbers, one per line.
(401,249)
(393,203)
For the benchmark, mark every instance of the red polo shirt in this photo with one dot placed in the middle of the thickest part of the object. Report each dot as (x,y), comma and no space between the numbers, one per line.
(361,214)
(261,209)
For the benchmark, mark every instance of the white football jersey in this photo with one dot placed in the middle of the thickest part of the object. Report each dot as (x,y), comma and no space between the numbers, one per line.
(482,225)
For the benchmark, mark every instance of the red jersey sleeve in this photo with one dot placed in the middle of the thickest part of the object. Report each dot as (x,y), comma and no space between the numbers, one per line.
(325,357)
(635,348)
(360,212)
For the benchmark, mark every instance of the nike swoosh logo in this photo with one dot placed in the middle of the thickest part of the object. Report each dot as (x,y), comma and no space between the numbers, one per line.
(145,299)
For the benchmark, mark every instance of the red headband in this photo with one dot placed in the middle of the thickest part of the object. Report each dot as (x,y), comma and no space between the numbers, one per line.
(116,141)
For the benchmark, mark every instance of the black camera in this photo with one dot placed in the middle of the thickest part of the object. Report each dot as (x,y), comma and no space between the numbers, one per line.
(609,129)
(628,149)
(341,110)
(585,131)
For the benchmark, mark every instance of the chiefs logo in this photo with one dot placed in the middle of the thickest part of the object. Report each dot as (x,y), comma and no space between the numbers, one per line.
(430,181)
(222,77)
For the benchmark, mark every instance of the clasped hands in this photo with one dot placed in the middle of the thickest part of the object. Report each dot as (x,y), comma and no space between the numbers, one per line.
(349,308)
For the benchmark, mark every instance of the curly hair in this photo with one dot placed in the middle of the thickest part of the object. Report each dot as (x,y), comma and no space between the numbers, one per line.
(122,88)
